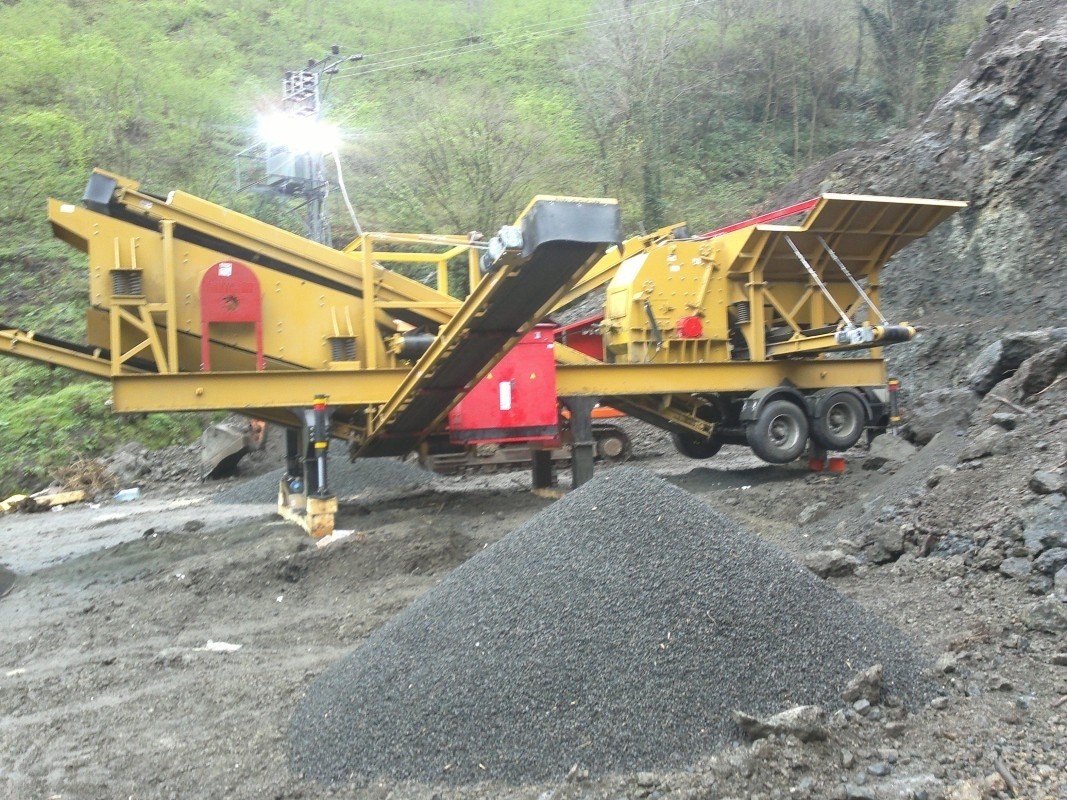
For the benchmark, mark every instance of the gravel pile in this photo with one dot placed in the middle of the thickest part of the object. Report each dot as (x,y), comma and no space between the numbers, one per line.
(617,629)
(346,479)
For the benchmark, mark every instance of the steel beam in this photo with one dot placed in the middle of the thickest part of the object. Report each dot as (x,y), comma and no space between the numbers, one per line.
(249,239)
(216,391)
(27,345)
(733,376)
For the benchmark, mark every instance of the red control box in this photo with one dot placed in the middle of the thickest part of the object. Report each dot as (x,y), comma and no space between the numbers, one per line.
(516,400)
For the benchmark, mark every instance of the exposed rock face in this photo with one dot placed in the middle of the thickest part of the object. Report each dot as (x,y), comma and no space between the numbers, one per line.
(995,139)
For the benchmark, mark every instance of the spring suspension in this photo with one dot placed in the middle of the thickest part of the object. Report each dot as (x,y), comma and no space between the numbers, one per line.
(342,348)
(127,283)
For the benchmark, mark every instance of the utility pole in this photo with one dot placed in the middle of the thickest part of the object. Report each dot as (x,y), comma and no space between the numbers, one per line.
(290,158)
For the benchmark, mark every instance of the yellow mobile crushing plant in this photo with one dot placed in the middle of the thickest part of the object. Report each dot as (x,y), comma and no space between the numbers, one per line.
(732,336)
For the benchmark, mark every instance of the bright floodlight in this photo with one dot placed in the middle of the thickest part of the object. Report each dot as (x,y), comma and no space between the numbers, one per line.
(298,134)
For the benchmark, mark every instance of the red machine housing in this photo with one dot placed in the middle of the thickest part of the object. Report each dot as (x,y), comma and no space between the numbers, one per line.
(583,336)
(516,400)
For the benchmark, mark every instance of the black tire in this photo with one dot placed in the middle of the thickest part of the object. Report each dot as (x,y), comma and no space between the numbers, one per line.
(693,447)
(839,422)
(780,433)
(612,444)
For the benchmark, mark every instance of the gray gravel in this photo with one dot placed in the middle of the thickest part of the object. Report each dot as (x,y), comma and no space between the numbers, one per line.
(618,629)
(346,479)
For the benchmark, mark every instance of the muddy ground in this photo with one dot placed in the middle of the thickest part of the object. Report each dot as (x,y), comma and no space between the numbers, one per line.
(111,687)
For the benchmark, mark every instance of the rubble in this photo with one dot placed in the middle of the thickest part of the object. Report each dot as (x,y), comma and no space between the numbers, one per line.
(807,723)
(938,410)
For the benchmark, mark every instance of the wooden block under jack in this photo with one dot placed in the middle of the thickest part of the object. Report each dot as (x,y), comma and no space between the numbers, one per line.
(312,513)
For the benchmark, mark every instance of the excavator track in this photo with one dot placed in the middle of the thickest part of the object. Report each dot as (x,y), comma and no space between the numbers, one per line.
(613,446)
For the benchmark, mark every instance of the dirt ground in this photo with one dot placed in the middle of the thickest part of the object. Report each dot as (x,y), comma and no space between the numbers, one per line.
(116,679)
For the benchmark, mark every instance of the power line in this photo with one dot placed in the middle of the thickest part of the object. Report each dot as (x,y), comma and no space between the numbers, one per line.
(461,40)
(466,40)
(529,35)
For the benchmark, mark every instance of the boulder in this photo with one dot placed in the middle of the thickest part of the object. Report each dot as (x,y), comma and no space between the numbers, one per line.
(1059,584)
(1040,370)
(1046,482)
(1018,568)
(831,563)
(1051,561)
(1005,420)
(885,544)
(1002,358)
(866,685)
(938,474)
(1039,584)
(1048,615)
(941,409)
(888,450)
(1045,524)
(129,464)
(812,513)
(994,440)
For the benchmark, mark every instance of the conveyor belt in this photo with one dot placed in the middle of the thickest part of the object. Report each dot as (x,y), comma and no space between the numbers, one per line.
(561,238)
(34,346)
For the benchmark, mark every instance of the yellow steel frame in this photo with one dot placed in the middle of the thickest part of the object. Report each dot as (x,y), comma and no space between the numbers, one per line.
(149,327)
(757,265)
(148,345)
(267,241)
(605,269)
(369,246)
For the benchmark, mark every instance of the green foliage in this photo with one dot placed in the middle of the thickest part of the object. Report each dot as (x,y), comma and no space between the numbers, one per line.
(47,419)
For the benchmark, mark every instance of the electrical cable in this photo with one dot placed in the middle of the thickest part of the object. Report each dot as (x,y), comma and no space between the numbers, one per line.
(486,46)
(437,55)
(567,23)
(344,193)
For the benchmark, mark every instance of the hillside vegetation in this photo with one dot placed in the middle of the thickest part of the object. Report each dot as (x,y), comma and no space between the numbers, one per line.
(458,113)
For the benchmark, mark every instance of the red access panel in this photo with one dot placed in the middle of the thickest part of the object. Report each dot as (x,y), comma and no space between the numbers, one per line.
(516,400)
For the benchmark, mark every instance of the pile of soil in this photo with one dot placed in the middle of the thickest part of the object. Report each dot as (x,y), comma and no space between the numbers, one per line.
(611,640)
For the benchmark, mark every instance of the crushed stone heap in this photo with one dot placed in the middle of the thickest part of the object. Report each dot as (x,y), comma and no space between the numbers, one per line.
(346,478)
(618,629)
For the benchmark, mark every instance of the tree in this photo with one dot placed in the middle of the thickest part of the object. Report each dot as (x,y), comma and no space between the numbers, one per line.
(907,38)
(461,165)
(629,84)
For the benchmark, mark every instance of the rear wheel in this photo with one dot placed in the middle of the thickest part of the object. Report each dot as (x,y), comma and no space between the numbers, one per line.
(839,421)
(693,447)
(780,433)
